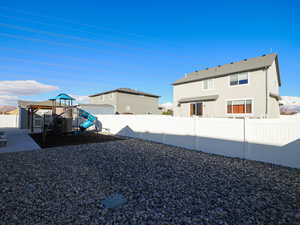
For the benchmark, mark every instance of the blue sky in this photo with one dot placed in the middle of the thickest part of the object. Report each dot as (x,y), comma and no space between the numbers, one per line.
(92,46)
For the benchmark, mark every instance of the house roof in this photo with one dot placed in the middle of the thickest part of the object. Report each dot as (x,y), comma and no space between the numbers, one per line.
(234,67)
(200,98)
(126,91)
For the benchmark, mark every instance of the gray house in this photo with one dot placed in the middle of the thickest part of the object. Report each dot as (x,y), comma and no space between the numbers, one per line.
(128,101)
(246,88)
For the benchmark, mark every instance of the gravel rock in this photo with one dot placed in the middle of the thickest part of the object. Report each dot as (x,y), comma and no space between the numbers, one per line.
(162,185)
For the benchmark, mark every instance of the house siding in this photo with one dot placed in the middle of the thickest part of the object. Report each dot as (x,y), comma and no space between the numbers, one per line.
(273,87)
(136,104)
(110,99)
(128,103)
(255,90)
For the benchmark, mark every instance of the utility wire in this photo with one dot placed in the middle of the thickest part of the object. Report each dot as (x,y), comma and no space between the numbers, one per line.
(63,44)
(55,34)
(75,29)
(94,27)
(53,42)
(69,21)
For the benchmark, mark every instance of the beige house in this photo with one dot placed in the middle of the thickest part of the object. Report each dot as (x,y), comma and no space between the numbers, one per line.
(246,88)
(128,101)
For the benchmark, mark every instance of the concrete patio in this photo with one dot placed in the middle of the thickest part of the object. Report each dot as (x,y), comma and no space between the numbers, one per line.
(18,141)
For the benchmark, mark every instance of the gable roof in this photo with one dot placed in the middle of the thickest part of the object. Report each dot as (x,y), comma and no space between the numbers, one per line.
(126,91)
(234,67)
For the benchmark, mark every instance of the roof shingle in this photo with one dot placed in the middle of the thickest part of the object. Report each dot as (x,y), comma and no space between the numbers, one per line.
(227,69)
(127,91)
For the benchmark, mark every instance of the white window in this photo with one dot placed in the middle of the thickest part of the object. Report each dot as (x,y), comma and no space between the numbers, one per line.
(239,106)
(101,97)
(239,79)
(208,84)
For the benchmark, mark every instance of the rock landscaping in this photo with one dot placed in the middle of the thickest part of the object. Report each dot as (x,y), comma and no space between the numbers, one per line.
(161,184)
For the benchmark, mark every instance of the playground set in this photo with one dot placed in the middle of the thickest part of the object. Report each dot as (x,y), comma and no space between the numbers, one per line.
(67,123)
(63,113)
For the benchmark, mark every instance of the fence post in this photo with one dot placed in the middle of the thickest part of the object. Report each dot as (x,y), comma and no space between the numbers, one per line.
(245,138)
(195,133)
(17,121)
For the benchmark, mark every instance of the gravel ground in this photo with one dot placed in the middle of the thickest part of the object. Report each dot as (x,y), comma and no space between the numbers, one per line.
(162,184)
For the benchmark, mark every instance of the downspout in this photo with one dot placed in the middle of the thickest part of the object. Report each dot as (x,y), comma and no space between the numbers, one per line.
(266,91)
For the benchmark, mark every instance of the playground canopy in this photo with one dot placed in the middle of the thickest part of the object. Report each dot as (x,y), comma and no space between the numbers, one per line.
(67,99)
(62,96)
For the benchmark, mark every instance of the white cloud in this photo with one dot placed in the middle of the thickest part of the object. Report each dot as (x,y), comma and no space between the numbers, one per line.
(10,90)
(81,98)
(8,100)
(24,87)
(167,105)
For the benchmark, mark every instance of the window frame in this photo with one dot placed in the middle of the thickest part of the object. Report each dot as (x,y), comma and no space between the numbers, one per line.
(212,84)
(196,108)
(238,85)
(245,105)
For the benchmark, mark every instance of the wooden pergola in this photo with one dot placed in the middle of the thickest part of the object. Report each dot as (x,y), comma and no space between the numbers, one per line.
(33,109)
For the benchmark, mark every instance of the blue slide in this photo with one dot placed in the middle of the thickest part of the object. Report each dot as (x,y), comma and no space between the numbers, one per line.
(90,119)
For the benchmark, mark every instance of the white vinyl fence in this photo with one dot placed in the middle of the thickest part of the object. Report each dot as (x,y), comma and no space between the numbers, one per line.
(269,140)
(9,121)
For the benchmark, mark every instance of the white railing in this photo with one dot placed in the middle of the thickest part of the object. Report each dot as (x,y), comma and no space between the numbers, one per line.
(269,140)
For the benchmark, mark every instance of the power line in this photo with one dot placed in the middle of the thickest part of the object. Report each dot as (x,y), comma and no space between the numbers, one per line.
(94,27)
(55,34)
(52,42)
(69,28)
(61,44)
(68,21)
(48,24)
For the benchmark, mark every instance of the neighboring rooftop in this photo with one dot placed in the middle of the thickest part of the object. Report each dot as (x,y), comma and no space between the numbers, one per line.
(126,91)
(233,67)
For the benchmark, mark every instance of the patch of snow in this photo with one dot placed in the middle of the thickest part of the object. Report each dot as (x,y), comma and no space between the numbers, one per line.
(83,99)
(290,104)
